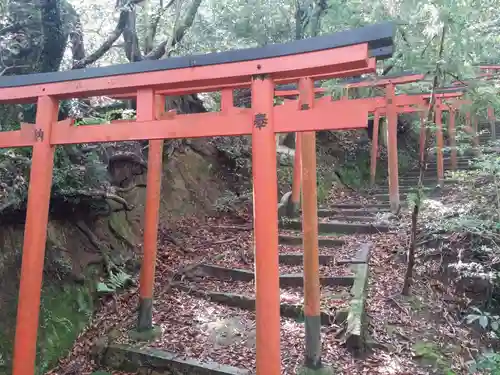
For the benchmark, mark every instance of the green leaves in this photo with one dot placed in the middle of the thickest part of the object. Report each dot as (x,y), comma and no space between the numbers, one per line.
(484,319)
(116,280)
(487,363)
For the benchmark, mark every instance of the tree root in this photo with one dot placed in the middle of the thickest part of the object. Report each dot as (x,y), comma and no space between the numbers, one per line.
(128,189)
(98,194)
(103,249)
(127,157)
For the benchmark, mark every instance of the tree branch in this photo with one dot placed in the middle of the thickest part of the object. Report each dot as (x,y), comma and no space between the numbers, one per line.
(54,40)
(178,34)
(319,8)
(98,194)
(152,30)
(13,28)
(77,43)
(416,208)
(132,50)
(299,29)
(113,37)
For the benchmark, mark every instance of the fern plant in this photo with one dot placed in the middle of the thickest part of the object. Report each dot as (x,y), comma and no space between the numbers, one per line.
(116,280)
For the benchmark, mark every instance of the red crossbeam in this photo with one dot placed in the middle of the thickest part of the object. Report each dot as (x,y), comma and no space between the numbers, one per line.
(384,81)
(369,68)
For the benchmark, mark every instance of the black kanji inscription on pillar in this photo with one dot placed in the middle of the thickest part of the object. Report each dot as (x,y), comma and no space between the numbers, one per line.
(260,120)
(38,135)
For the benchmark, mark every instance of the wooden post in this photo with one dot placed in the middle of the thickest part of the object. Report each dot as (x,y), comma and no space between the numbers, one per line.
(422,136)
(147,110)
(374,154)
(227,100)
(492,121)
(439,144)
(312,313)
(265,198)
(297,179)
(453,140)
(476,135)
(392,147)
(35,236)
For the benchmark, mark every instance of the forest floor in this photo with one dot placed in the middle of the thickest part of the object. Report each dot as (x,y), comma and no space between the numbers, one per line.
(420,334)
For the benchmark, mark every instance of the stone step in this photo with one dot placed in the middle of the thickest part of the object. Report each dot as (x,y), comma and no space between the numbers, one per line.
(358,206)
(358,219)
(431,172)
(340,227)
(427,179)
(447,167)
(462,163)
(292,311)
(133,359)
(297,259)
(385,197)
(403,189)
(352,212)
(286,281)
(297,241)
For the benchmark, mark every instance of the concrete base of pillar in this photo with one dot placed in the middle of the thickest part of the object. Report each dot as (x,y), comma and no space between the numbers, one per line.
(149,335)
(145,320)
(313,342)
(320,371)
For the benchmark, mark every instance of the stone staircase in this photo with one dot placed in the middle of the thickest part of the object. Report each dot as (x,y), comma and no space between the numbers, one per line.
(409,180)
(347,234)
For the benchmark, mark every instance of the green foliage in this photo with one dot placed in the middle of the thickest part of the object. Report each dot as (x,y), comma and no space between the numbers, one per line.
(324,184)
(487,363)
(64,312)
(485,320)
(117,279)
(230,202)
(430,354)
(237,151)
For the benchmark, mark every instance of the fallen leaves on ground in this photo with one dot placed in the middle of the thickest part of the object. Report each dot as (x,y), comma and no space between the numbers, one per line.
(195,327)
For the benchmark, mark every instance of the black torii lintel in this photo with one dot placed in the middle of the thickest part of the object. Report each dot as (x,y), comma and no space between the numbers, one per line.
(379,38)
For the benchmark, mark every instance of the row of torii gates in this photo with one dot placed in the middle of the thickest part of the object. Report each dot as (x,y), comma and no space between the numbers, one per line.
(345,54)
(448,99)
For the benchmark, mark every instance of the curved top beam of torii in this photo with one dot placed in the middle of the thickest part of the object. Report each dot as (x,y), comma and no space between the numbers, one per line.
(290,90)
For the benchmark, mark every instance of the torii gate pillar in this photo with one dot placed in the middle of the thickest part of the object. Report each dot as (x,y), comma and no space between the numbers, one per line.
(440,144)
(492,121)
(453,141)
(392,147)
(35,235)
(265,198)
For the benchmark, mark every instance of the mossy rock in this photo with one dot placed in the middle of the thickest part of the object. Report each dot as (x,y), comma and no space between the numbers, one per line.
(120,226)
(101,373)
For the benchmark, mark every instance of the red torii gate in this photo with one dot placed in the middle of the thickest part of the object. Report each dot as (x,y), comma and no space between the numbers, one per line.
(491,73)
(410,103)
(391,102)
(290,92)
(363,106)
(342,54)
